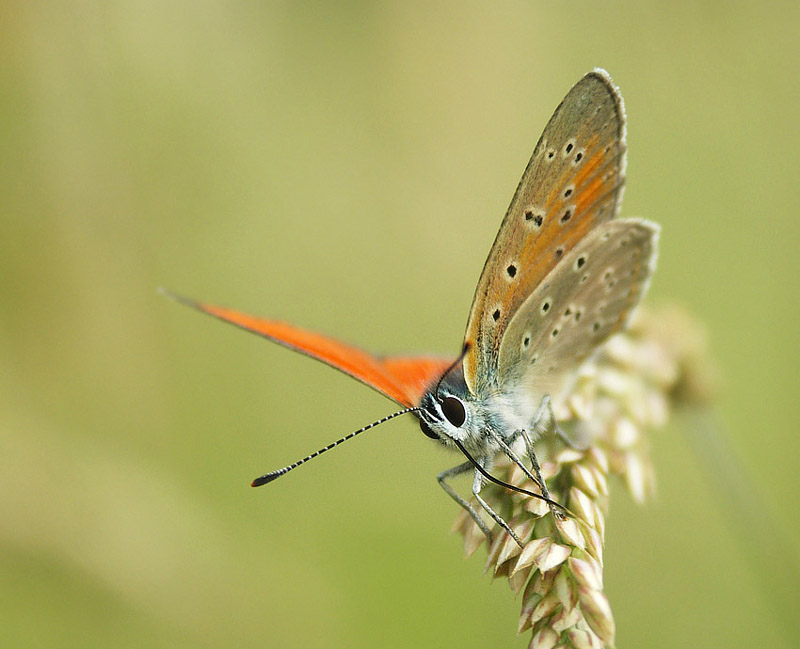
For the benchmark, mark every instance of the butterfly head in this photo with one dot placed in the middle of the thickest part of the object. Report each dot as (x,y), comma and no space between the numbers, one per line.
(446,411)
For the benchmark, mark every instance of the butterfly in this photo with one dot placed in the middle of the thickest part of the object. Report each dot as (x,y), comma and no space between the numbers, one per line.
(562,276)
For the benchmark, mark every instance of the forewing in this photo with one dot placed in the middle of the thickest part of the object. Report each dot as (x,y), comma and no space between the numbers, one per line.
(403,379)
(416,374)
(572,183)
(585,299)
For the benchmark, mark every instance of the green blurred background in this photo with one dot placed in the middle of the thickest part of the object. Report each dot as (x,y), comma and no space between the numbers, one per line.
(345,166)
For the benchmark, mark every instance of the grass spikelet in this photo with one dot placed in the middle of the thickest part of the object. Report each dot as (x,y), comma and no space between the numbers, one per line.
(629,388)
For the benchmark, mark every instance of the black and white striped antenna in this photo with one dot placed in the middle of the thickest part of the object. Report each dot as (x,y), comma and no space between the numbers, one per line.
(274,475)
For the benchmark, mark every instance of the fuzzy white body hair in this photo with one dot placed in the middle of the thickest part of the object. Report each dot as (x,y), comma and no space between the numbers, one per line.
(505,412)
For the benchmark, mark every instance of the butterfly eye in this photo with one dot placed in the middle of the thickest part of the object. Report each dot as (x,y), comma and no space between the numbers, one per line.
(453,409)
(427,430)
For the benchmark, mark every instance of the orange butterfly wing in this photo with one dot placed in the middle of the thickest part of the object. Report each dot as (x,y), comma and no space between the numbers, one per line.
(403,379)
(415,373)
(572,184)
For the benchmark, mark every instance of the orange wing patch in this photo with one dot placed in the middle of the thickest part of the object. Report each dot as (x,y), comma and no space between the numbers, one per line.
(402,379)
(416,374)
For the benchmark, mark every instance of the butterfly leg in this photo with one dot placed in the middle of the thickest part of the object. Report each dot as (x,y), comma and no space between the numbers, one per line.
(477,483)
(511,455)
(538,471)
(535,464)
(455,471)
